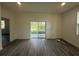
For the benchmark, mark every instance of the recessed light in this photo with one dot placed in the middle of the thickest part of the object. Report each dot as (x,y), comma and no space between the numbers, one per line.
(19,3)
(64,3)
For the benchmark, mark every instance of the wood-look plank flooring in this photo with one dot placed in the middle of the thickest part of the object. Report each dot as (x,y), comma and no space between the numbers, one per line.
(39,47)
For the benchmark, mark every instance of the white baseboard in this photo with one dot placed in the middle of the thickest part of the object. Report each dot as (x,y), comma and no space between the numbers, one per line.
(48,38)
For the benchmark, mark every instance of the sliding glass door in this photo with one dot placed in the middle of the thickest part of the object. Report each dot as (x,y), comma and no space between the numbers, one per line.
(38,30)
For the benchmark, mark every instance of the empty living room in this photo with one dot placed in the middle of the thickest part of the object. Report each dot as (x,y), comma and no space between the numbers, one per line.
(39,28)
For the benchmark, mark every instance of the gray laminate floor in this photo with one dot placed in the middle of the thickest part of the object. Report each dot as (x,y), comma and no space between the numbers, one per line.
(39,47)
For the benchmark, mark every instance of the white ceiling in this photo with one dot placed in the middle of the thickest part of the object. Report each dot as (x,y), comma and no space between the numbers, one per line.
(52,7)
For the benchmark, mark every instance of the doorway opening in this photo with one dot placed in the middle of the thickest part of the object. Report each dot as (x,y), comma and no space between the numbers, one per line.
(38,30)
(5,32)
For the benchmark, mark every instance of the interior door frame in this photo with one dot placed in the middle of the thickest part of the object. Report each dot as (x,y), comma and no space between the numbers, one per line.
(3,18)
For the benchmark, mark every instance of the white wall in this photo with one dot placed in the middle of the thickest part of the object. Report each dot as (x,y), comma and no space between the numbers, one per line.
(0,30)
(24,19)
(11,16)
(20,23)
(69,21)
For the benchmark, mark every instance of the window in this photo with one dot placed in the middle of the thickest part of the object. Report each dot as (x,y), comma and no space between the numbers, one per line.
(2,24)
(77,23)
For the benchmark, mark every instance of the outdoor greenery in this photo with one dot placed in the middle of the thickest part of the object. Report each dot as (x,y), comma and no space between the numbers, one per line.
(37,27)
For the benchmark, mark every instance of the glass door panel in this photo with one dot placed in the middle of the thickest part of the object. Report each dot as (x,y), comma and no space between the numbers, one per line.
(38,30)
(41,30)
(34,30)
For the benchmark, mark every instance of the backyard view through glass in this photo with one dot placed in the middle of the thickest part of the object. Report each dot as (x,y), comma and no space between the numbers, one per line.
(38,30)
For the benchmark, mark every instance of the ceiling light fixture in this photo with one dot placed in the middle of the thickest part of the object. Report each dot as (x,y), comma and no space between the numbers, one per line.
(19,3)
(64,3)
